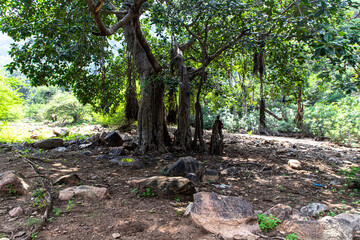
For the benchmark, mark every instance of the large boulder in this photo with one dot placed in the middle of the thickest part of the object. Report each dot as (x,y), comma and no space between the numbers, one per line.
(49,143)
(84,191)
(227,216)
(323,229)
(61,132)
(353,219)
(12,184)
(183,166)
(113,139)
(167,187)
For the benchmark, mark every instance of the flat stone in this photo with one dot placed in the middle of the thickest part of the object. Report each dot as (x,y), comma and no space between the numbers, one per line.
(353,219)
(116,235)
(210,175)
(49,143)
(193,178)
(84,191)
(165,186)
(16,212)
(324,229)
(126,161)
(295,164)
(313,209)
(19,234)
(227,216)
(60,149)
(183,166)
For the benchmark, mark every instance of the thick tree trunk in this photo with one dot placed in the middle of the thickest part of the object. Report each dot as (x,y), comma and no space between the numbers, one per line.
(262,119)
(183,133)
(217,139)
(132,105)
(300,109)
(198,141)
(151,115)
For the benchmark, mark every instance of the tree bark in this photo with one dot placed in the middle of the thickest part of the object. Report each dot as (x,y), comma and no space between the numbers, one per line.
(262,118)
(300,109)
(151,115)
(183,132)
(198,141)
(132,105)
(216,143)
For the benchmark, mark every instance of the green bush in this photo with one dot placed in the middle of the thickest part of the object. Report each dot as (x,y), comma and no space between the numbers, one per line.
(10,98)
(267,223)
(338,121)
(64,106)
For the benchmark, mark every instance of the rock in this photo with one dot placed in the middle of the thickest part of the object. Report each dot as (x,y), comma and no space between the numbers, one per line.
(165,186)
(4,238)
(35,136)
(49,143)
(126,137)
(227,216)
(68,179)
(104,157)
(295,164)
(87,153)
(116,235)
(324,229)
(188,209)
(168,156)
(193,178)
(11,184)
(183,166)
(85,145)
(313,209)
(16,212)
(127,161)
(117,152)
(19,234)
(335,161)
(61,132)
(210,175)
(130,145)
(335,182)
(338,154)
(284,212)
(113,139)
(353,219)
(60,149)
(229,171)
(84,191)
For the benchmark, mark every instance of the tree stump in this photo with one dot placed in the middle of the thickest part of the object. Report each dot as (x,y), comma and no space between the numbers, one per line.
(217,138)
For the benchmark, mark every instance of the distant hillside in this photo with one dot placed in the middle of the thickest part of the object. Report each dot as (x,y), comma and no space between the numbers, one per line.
(5,42)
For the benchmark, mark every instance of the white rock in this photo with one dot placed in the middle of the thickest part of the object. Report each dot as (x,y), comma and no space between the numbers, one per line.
(16,212)
(313,209)
(353,219)
(295,164)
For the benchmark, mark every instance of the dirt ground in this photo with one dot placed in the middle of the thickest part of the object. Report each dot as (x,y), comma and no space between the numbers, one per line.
(264,179)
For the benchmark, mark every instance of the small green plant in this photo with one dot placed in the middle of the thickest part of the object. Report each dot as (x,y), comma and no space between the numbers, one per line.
(177,198)
(291,236)
(11,190)
(70,204)
(38,198)
(56,211)
(34,235)
(33,221)
(147,193)
(331,213)
(177,212)
(352,175)
(127,160)
(267,223)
